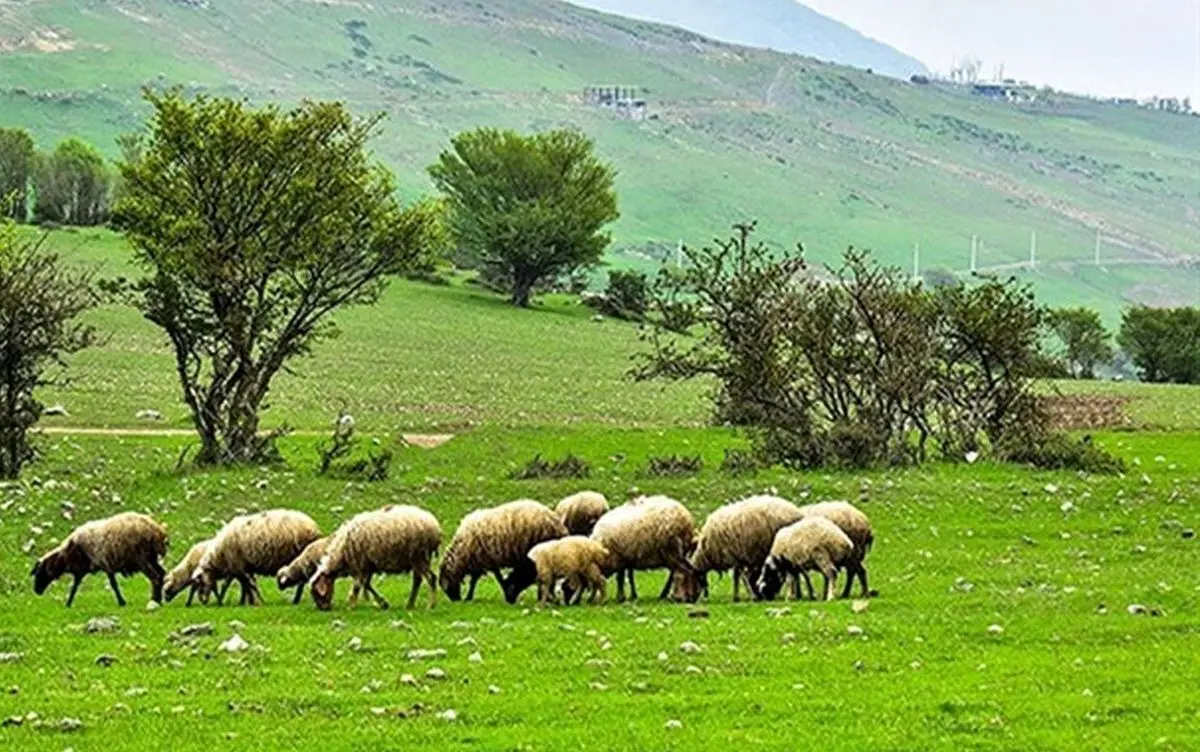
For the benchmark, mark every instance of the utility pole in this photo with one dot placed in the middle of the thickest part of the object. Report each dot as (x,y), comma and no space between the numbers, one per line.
(916,262)
(679,255)
(974,252)
(1033,249)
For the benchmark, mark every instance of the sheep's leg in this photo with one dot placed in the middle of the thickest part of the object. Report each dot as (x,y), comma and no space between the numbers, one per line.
(737,577)
(620,586)
(74,589)
(829,572)
(299,594)
(599,585)
(370,590)
(354,592)
(256,598)
(812,594)
(632,587)
(191,595)
(862,578)
(429,578)
(156,575)
(666,591)
(471,587)
(222,590)
(112,581)
(416,588)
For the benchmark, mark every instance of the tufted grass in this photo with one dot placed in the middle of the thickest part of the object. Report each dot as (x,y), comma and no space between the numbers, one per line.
(959,548)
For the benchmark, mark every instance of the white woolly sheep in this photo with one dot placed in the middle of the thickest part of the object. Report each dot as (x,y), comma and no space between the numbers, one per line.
(579,512)
(813,543)
(854,524)
(180,577)
(492,540)
(252,545)
(123,544)
(650,532)
(737,536)
(580,562)
(297,572)
(393,540)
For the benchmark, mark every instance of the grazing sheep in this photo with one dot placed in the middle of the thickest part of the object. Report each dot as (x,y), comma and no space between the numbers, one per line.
(580,511)
(302,568)
(580,562)
(180,577)
(393,540)
(122,544)
(252,545)
(737,536)
(854,524)
(650,532)
(491,540)
(813,543)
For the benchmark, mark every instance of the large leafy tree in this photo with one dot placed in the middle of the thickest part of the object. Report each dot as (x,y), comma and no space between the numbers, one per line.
(40,302)
(254,226)
(1085,342)
(531,208)
(1163,343)
(73,185)
(16,170)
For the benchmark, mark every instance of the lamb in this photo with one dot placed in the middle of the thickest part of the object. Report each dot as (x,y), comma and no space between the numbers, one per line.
(302,568)
(647,533)
(580,562)
(737,536)
(855,525)
(181,576)
(579,512)
(252,545)
(813,543)
(491,540)
(123,544)
(392,540)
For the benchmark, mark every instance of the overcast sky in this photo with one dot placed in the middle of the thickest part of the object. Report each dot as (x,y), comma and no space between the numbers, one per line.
(1108,47)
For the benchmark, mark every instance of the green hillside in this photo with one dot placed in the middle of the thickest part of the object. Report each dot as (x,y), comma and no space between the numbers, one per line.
(819,153)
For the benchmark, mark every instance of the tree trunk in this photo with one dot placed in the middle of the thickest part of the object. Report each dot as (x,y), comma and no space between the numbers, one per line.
(522,290)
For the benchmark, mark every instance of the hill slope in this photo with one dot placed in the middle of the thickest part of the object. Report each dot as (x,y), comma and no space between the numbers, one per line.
(819,153)
(783,25)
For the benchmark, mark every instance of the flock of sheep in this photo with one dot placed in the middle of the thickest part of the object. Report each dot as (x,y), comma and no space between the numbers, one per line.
(765,540)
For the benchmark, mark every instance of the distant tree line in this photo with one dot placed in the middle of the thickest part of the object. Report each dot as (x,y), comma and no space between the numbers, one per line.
(71,185)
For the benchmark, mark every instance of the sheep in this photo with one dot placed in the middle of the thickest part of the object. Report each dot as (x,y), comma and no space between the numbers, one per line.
(855,525)
(813,543)
(580,511)
(123,544)
(299,570)
(181,576)
(647,533)
(254,544)
(737,536)
(491,540)
(392,540)
(577,560)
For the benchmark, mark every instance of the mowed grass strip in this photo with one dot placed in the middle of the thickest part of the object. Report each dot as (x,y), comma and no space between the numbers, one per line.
(1053,560)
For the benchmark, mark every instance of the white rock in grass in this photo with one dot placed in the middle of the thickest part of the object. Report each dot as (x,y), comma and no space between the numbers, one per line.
(421,655)
(692,670)
(663,657)
(152,605)
(859,606)
(690,647)
(436,674)
(355,644)
(1050,488)
(1135,609)
(234,644)
(854,630)
(475,657)
(674,724)
(11,657)
(970,457)
(448,715)
(1067,507)
(493,689)
(788,638)
(408,680)
(995,629)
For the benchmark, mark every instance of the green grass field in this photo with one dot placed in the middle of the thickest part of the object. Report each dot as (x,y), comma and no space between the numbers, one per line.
(820,154)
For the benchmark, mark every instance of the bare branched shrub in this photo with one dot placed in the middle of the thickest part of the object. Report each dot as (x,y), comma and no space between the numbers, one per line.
(674,465)
(335,455)
(538,468)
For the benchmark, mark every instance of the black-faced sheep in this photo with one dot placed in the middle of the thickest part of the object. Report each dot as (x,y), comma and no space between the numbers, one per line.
(492,540)
(652,532)
(393,540)
(123,544)
(579,562)
(579,512)
(252,545)
(737,536)
(855,525)
(813,543)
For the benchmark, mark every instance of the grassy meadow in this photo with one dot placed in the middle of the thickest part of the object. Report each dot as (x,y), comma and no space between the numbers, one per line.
(1018,609)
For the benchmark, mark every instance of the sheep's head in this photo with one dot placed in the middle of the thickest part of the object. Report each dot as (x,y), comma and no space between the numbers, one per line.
(174,584)
(288,577)
(451,584)
(522,576)
(68,557)
(321,586)
(770,582)
(204,582)
(689,585)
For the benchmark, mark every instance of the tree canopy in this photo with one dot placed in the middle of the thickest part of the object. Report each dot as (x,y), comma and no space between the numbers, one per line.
(1085,342)
(254,226)
(531,208)
(72,185)
(16,170)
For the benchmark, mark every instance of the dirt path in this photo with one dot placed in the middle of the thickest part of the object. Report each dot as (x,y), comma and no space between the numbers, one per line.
(423,440)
